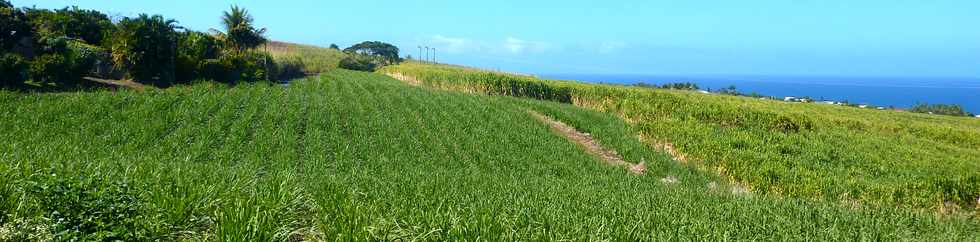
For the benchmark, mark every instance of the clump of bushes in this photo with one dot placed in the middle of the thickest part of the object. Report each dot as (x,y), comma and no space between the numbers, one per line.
(358,63)
(55,49)
(13,70)
(145,48)
(87,208)
(236,67)
(673,86)
(940,109)
(369,55)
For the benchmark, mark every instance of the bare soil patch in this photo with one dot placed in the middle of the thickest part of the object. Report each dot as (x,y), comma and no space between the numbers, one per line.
(118,83)
(407,79)
(590,144)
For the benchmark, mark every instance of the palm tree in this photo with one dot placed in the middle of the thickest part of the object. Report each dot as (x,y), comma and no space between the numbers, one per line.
(239,33)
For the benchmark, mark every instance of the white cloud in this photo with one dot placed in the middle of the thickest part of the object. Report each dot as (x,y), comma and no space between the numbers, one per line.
(510,45)
(611,46)
(518,46)
(453,45)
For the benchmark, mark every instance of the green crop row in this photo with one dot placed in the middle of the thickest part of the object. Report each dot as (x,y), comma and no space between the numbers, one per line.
(787,149)
(358,156)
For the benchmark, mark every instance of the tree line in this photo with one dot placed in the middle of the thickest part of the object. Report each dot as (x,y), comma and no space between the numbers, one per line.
(369,55)
(940,109)
(43,49)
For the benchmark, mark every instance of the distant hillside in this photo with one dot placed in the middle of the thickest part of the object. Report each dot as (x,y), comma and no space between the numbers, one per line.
(315,59)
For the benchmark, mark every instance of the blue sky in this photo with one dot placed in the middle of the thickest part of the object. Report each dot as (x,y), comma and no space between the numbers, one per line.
(898,38)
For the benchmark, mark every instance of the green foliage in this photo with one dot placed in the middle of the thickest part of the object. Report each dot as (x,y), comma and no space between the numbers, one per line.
(64,62)
(13,70)
(675,86)
(14,26)
(355,156)
(730,90)
(145,47)
(73,42)
(386,52)
(940,109)
(312,59)
(89,59)
(239,33)
(240,67)
(90,26)
(194,49)
(52,68)
(334,47)
(288,70)
(486,82)
(797,150)
(358,62)
(89,209)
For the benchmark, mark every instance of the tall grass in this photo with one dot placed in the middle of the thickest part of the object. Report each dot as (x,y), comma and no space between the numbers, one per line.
(358,156)
(313,59)
(787,149)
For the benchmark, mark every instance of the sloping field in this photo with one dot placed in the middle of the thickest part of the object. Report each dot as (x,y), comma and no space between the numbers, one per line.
(314,59)
(361,156)
(808,151)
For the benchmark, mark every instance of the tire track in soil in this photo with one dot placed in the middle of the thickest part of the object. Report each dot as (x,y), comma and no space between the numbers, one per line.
(590,144)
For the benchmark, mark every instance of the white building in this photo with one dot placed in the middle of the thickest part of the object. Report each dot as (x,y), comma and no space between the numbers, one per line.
(789,99)
(863,106)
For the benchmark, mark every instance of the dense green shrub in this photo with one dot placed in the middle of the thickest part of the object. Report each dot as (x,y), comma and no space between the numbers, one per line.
(193,49)
(290,70)
(89,209)
(90,26)
(69,44)
(385,52)
(89,59)
(358,63)
(52,69)
(13,25)
(674,86)
(941,109)
(239,67)
(13,70)
(145,47)
(64,62)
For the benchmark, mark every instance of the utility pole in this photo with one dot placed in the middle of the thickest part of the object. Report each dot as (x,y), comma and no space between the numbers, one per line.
(426,54)
(420,53)
(434,56)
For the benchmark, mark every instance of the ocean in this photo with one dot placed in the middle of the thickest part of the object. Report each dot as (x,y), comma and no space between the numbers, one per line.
(877,91)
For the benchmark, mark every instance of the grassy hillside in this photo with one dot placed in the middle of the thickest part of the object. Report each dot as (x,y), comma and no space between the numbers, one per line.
(360,156)
(315,59)
(807,151)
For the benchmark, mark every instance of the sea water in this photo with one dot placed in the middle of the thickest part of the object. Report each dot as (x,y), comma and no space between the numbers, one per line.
(901,92)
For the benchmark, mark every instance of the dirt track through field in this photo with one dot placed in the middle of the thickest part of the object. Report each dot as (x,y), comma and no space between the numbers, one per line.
(407,79)
(590,144)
